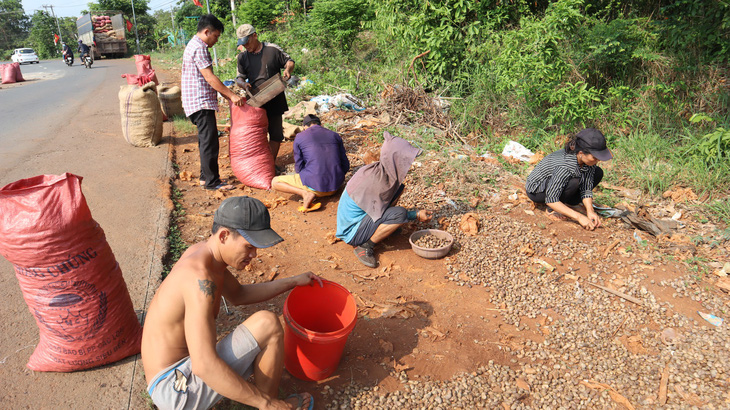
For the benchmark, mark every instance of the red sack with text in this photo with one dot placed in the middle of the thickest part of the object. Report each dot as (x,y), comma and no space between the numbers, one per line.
(71,282)
(249,151)
(7,72)
(18,74)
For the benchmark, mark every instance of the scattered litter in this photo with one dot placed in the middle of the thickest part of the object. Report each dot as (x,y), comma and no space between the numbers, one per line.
(185,175)
(228,83)
(469,223)
(677,216)
(341,101)
(637,237)
(680,194)
(514,149)
(608,212)
(546,265)
(615,396)
(724,271)
(668,336)
(273,203)
(646,222)
(712,319)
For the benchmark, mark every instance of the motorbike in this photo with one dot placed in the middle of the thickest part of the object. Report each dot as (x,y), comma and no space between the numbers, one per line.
(87,60)
(69,60)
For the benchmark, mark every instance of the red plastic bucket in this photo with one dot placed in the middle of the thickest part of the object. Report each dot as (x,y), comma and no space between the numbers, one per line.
(318,322)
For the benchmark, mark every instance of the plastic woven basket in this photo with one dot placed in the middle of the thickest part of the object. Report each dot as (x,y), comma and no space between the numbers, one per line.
(268,90)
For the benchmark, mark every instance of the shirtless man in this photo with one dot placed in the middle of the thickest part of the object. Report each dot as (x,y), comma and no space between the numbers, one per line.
(183,365)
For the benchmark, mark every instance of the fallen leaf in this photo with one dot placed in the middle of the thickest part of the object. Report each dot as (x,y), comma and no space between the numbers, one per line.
(470,223)
(185,175)
(522,384)
(474,202)
(680,194)
(691,398)
(443,222)
(527,250)
(537,157)
(663,385)
(331,237)
(437,335)
(400,367)
(615,396)
(530,212)
(724,284)
(272,274)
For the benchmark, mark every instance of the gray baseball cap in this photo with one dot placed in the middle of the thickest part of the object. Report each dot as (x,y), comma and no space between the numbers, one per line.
(250,218)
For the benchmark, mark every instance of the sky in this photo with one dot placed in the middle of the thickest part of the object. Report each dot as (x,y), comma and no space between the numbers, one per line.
(73,8)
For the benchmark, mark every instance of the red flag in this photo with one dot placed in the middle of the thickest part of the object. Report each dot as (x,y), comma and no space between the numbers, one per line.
(129,26)
(55,39)
(197,3)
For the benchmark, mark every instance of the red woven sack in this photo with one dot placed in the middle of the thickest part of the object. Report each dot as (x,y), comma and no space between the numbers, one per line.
(7,72)
(18,74)
(71,282)
(251,158)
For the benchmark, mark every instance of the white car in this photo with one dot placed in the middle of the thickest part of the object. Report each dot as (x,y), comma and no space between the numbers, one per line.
(24,55)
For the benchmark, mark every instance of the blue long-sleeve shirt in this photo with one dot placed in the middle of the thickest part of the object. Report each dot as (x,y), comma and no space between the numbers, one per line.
(320,158)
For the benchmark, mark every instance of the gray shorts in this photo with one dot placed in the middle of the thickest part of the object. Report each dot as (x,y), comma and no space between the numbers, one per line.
(176,387)
(392,216)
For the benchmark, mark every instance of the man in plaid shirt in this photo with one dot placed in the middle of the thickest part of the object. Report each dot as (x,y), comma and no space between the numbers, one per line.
(199,97)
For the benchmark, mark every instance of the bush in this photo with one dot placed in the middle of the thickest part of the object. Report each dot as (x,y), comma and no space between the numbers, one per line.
(336,23)
(259,13)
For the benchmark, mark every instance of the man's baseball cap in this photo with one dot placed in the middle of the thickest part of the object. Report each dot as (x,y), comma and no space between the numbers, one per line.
(595,143)
(250,218)
(309,118)
(243,32)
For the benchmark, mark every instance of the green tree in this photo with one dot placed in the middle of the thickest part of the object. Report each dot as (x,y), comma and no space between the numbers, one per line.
(43,26)
(337,22)
(259,13)
(14,24)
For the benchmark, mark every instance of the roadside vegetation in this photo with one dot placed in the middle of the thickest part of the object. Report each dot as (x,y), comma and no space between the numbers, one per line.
(654,79)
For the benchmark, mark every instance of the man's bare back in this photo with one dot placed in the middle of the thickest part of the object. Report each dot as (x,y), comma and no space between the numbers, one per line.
(184,364)
(163,341)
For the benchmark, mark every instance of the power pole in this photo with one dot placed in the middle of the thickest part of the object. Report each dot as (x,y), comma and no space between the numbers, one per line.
(174,30)
(215,56)
(60,36)
(136,35)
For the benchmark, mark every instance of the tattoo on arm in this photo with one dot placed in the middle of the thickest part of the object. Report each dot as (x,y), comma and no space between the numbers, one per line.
(207,287)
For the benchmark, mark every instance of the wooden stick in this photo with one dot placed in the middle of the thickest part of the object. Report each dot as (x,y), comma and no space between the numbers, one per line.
(663,385)
(611,246)
(617,293)
(619,327)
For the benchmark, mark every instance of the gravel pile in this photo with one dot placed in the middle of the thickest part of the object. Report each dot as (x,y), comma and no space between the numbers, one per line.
(589,334)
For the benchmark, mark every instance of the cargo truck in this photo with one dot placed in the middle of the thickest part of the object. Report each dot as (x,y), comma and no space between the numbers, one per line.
(103,32)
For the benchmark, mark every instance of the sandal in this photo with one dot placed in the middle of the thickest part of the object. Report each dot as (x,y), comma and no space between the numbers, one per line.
(314,207)
(301,397)
(222,187)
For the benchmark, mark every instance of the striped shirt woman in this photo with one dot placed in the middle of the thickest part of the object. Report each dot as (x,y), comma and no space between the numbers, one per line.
(568,176)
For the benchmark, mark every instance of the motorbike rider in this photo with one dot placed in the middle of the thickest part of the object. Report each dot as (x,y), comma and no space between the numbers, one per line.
(83,50)
(67,51)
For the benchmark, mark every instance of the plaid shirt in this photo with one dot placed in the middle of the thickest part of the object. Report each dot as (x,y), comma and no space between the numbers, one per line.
(197,94)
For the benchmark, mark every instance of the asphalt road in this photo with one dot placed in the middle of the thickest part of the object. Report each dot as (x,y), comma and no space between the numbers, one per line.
(66,119)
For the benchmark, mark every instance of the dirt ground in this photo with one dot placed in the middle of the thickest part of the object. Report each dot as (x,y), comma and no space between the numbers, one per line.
(418,320)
